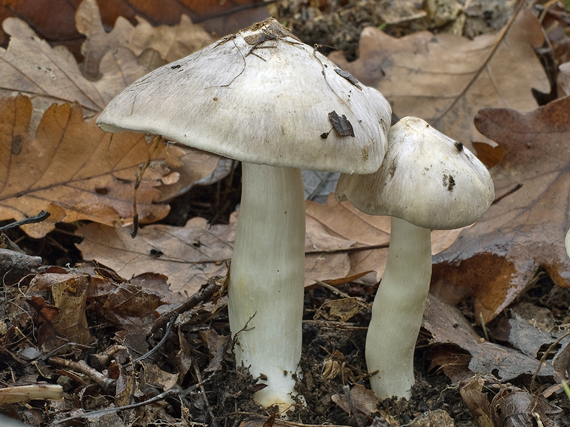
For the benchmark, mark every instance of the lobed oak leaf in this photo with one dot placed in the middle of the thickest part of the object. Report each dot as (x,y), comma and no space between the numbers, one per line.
(523,231)
(343,221)
(169,43)
(191,255)
(73,170)
(54,19)
(422,74)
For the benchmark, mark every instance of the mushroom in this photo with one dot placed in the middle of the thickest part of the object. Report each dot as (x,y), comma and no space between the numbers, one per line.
(427,181)
(263,97)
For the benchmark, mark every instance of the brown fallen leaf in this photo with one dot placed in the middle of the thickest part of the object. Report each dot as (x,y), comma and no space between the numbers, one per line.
(189,256)
(477,401)
(497,258)
(54,19)
(29,65)
(363,399)
(421,74)
(74,171)
(155,376)
(518,408)
(448,326)
(169,43)
(344,221)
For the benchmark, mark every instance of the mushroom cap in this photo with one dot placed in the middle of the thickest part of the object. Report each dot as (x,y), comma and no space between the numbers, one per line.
(260,96)
(426,178)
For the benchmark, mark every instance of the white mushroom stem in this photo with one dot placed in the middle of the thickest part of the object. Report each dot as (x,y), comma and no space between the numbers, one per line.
(398,309)
(266,279)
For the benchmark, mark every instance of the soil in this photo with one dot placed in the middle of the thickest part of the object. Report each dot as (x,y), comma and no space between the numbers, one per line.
(326,341)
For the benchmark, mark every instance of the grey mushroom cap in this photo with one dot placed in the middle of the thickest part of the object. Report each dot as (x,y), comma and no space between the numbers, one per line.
(426,178)
(260,96)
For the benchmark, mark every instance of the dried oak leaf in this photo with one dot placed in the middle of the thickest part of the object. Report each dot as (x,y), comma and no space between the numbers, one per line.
(497,258)
(344,222)
(191,255)
(29,65)
(169,43)
(422,74)
(73,170)
(54,19)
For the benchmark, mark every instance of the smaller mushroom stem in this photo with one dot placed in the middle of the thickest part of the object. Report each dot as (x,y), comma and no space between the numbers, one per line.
(398,309)
(266,279)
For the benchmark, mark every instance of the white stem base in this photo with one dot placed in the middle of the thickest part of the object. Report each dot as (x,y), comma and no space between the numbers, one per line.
(398,309)
(266,279)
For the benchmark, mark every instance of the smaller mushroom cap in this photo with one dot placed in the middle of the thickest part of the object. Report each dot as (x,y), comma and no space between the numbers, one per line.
(426,178)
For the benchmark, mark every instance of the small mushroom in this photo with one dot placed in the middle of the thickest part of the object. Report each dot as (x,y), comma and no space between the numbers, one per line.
(427,181)
(262,97)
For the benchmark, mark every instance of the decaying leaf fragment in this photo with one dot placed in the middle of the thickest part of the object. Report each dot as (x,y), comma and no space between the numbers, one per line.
(510,406)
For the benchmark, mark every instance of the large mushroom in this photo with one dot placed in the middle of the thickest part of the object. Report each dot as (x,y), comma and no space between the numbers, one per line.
(427,181)
(263,97)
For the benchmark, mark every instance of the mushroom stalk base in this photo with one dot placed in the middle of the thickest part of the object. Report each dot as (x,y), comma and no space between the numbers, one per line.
(398,309)
(266,279)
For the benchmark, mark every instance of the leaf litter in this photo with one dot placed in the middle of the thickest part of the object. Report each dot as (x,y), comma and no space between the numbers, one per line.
(185,355)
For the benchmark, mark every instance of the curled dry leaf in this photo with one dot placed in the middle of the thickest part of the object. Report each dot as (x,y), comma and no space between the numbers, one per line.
(363,399)
(69,294)
(510,407)
(422,74)
(73,170)
(497,258)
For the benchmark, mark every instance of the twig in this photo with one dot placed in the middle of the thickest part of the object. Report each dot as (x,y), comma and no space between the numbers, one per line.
(121,408)
(164,394)
(342,294)
(490,55)
(26,393)
(543,359)
(155,143)
(199,377)
(82,367)
(167,332)
(353,410)
(202,295)
(42,216)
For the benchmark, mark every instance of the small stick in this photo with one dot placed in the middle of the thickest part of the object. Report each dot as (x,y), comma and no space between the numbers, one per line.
(346,390)
(342,294)
(84,368)
(26,393)
(202,295)
(121,408)
(167,332)
(155,143)
(199,378)
(543,359)
(42,216)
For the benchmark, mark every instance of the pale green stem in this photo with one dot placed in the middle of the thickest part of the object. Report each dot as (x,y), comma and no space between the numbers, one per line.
(398,309)
(266,279)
